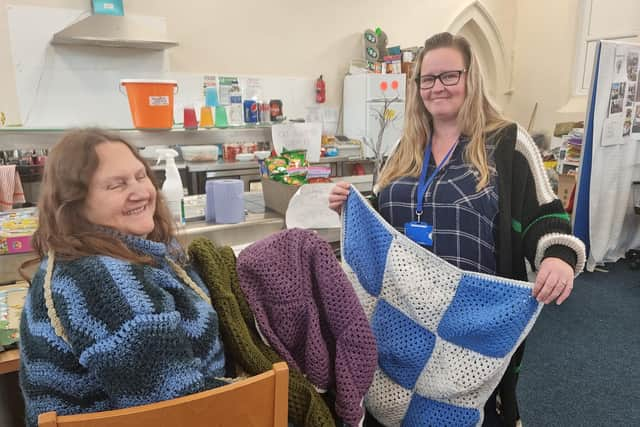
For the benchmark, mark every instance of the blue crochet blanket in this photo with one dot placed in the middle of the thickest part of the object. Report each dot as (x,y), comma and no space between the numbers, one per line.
(445,336)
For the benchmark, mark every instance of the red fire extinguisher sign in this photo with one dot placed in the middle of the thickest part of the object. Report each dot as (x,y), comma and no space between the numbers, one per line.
(320,91)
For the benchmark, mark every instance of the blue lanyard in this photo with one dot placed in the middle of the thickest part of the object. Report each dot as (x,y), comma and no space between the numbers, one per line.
(424,183)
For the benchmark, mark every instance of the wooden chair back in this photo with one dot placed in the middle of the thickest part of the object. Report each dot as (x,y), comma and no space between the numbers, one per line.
(258,401)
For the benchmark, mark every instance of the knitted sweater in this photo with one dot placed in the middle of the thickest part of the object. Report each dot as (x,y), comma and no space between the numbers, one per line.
(241,341)
(136,334)
(308,311)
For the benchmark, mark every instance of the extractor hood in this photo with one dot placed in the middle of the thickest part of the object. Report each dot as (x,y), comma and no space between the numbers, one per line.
(114,31)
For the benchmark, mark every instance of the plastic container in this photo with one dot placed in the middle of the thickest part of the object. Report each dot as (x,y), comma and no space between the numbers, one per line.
(172,187)
(244,157)
(150,102)
(211,96)
(249,147)
(189,121)
(206,117)
(229,152)
(261,155)
(200,153)
(150,153)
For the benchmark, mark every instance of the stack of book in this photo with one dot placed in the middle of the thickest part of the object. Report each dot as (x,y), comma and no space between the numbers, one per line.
(574,147)
(11,303)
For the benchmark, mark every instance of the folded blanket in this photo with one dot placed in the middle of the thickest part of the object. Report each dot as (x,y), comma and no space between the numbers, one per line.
(11,191)
(444,336)
(217,267)
(307,310)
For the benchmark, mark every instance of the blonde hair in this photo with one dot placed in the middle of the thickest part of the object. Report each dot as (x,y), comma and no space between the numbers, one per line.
(476,117)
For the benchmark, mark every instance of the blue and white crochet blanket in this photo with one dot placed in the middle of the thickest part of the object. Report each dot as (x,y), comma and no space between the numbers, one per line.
(445,336)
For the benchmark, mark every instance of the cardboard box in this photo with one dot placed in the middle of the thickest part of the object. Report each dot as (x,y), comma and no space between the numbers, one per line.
(565,187)
(277,195)
(16,228)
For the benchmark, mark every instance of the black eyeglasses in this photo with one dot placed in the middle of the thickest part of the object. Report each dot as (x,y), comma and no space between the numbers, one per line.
(447,78)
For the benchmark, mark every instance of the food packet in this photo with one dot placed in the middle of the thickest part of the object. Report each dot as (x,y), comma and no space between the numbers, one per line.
(276,165)
(296,158)
(295,179)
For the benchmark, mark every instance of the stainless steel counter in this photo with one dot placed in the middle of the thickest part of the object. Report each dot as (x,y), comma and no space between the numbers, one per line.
(255,227)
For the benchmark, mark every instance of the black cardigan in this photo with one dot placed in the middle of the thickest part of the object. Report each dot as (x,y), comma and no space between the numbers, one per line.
(532,221)
(532,224)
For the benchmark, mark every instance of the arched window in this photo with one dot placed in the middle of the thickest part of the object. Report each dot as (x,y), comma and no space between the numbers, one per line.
(476,25)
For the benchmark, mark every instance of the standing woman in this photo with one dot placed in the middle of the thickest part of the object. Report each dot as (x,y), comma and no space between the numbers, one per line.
(478,181)
(112,319)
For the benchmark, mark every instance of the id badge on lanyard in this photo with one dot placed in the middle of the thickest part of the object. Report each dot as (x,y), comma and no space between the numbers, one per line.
(420,231)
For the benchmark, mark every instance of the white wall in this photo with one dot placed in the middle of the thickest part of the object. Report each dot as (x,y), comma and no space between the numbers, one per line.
(545,41)
(279,38)
(8,99)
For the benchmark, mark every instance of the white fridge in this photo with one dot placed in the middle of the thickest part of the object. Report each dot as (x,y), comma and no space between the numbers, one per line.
(363,102)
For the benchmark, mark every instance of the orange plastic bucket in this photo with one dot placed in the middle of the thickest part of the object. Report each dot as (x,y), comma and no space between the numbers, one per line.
(151,102)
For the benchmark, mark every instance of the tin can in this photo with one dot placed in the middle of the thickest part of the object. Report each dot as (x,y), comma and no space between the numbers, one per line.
(276,110)
(229,152)
(249,147)
(250,111)
(265,112)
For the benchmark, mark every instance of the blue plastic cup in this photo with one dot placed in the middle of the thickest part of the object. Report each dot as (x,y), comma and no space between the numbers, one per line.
(211,96)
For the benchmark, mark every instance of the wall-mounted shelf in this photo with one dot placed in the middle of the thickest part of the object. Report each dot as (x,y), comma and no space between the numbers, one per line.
(25,138)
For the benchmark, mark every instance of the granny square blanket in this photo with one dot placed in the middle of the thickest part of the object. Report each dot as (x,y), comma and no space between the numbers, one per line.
(445,336)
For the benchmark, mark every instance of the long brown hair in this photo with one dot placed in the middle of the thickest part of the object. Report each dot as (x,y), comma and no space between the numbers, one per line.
(62,226)
(476,117)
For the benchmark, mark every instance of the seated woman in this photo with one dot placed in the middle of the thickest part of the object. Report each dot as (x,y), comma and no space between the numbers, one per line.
(112,319)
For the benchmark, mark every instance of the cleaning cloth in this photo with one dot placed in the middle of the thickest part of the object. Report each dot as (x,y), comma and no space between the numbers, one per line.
(11,191)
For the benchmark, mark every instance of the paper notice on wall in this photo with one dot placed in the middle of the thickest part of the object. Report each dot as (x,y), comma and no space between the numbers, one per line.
(227,86)
(632,65)
(253,89)
(612,131)
(626,124)
(298,136)
(635,127)
(616,98)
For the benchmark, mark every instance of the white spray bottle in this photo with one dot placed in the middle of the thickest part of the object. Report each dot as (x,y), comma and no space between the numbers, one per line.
(172,187)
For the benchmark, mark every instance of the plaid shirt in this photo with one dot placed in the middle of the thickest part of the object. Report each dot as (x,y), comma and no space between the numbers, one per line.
(464,220)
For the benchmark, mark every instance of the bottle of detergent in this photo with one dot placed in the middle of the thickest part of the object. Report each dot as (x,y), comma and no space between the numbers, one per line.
(321,90)
(172,187)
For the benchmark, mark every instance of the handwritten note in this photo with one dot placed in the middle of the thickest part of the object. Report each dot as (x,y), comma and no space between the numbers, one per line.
(611,131)
(309,208)
(298,136)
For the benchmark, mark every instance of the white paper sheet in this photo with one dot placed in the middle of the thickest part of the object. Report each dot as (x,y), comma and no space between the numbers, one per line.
(612,131)
(298,136)
(309,208)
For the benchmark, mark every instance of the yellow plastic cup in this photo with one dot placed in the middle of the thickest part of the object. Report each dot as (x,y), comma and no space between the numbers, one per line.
(206,117)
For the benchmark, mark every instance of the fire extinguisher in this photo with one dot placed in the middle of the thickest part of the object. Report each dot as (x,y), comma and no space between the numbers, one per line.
(320,91)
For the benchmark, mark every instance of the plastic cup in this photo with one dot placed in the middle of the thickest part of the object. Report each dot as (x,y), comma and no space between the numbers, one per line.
(189,120)
(221,117)
(206,117)
(211,96)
